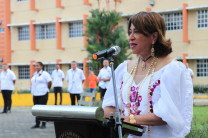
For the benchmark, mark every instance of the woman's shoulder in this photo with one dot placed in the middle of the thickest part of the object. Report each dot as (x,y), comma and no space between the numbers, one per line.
(176,65)
(122,66)
(169,64)
(45,73)
(173,69)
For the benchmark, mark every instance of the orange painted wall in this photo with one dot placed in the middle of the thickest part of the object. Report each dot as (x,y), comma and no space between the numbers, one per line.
(32,5)
(7,19)
(2,35)
(185,24)
(58,4)
(84,29)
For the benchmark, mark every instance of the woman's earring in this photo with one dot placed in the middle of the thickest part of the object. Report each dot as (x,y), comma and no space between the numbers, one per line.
(152,51)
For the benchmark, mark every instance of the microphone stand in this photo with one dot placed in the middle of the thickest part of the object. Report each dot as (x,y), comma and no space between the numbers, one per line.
(117,113)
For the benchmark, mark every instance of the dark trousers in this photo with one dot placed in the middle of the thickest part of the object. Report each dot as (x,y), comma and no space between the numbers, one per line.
(40,100)
(7,96)
(73,98)
(102,91)
(58,90)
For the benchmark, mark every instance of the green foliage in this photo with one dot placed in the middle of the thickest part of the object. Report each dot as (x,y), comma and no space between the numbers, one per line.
(103,33)
(199,125)
(24,91)
(27,91)
(200,89)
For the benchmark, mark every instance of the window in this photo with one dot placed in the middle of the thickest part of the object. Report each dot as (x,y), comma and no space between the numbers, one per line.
(75,29)
(1,67)
(80,66)
(1,30)
(23,33)
(24,72)
(202,68)
(50,68)
(45,31)
(202,18)
(173,21)
(22,0)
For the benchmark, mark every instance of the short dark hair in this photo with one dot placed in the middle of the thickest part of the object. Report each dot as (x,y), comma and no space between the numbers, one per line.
(41,64)
(74,62)
(105,59)
(149,22)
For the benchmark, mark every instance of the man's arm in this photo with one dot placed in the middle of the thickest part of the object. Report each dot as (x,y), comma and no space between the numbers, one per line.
(106,79)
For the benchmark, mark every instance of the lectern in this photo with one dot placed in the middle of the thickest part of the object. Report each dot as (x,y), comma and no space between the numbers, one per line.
(81,122)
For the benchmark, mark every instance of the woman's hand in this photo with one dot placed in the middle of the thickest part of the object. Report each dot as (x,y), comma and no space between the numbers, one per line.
(126,119)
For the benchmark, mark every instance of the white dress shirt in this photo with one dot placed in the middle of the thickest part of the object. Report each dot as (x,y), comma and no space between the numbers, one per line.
(190,71)
(57,76)
(105,73)
(40,83)
(75,78)
(7,77)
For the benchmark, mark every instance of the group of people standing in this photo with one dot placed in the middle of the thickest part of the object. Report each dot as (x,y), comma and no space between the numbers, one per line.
(42,82)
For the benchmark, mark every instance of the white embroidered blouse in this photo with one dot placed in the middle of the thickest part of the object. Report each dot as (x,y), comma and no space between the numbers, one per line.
(171,98)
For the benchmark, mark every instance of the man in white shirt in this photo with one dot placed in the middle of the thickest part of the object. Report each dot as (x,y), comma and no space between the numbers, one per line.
(58,78)
(104,77)
(7,78)
(189,70)
(75,78)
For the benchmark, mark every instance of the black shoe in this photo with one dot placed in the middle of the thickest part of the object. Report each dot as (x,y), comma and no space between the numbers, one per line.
(35,126)
(3,112)
(43,127)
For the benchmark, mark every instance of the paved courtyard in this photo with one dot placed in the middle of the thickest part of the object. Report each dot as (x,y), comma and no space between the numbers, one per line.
(17,125)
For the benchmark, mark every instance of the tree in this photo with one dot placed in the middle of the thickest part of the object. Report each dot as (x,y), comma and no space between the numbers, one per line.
(103,32)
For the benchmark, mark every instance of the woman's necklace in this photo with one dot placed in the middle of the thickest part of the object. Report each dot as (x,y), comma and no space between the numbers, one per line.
(143,63)
(133,72)
(148,92)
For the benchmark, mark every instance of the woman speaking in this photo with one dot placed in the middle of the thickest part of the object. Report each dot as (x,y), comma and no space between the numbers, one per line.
(154,90)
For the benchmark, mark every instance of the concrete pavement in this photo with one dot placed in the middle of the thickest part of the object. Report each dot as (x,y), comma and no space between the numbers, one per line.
(17,125)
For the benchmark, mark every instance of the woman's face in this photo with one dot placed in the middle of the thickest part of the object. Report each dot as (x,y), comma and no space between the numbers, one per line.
(91,73)
(139,44)
(38,67)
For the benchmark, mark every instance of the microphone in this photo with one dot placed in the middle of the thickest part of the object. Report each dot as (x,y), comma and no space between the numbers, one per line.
(114,50)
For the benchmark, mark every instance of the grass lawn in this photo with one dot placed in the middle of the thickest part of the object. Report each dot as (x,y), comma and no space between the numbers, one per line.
(199,123)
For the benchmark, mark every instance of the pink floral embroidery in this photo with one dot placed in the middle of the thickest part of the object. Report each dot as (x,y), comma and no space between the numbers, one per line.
(140,98)
(121,85)
(150,98)
(133,88)
(135,100)
(157,83)
(133,96)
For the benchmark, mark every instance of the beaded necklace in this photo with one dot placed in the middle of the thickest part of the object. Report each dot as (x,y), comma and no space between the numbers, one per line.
(144,62)
(132,73)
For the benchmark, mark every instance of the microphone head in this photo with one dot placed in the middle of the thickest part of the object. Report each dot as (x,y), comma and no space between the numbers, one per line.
(117,49)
